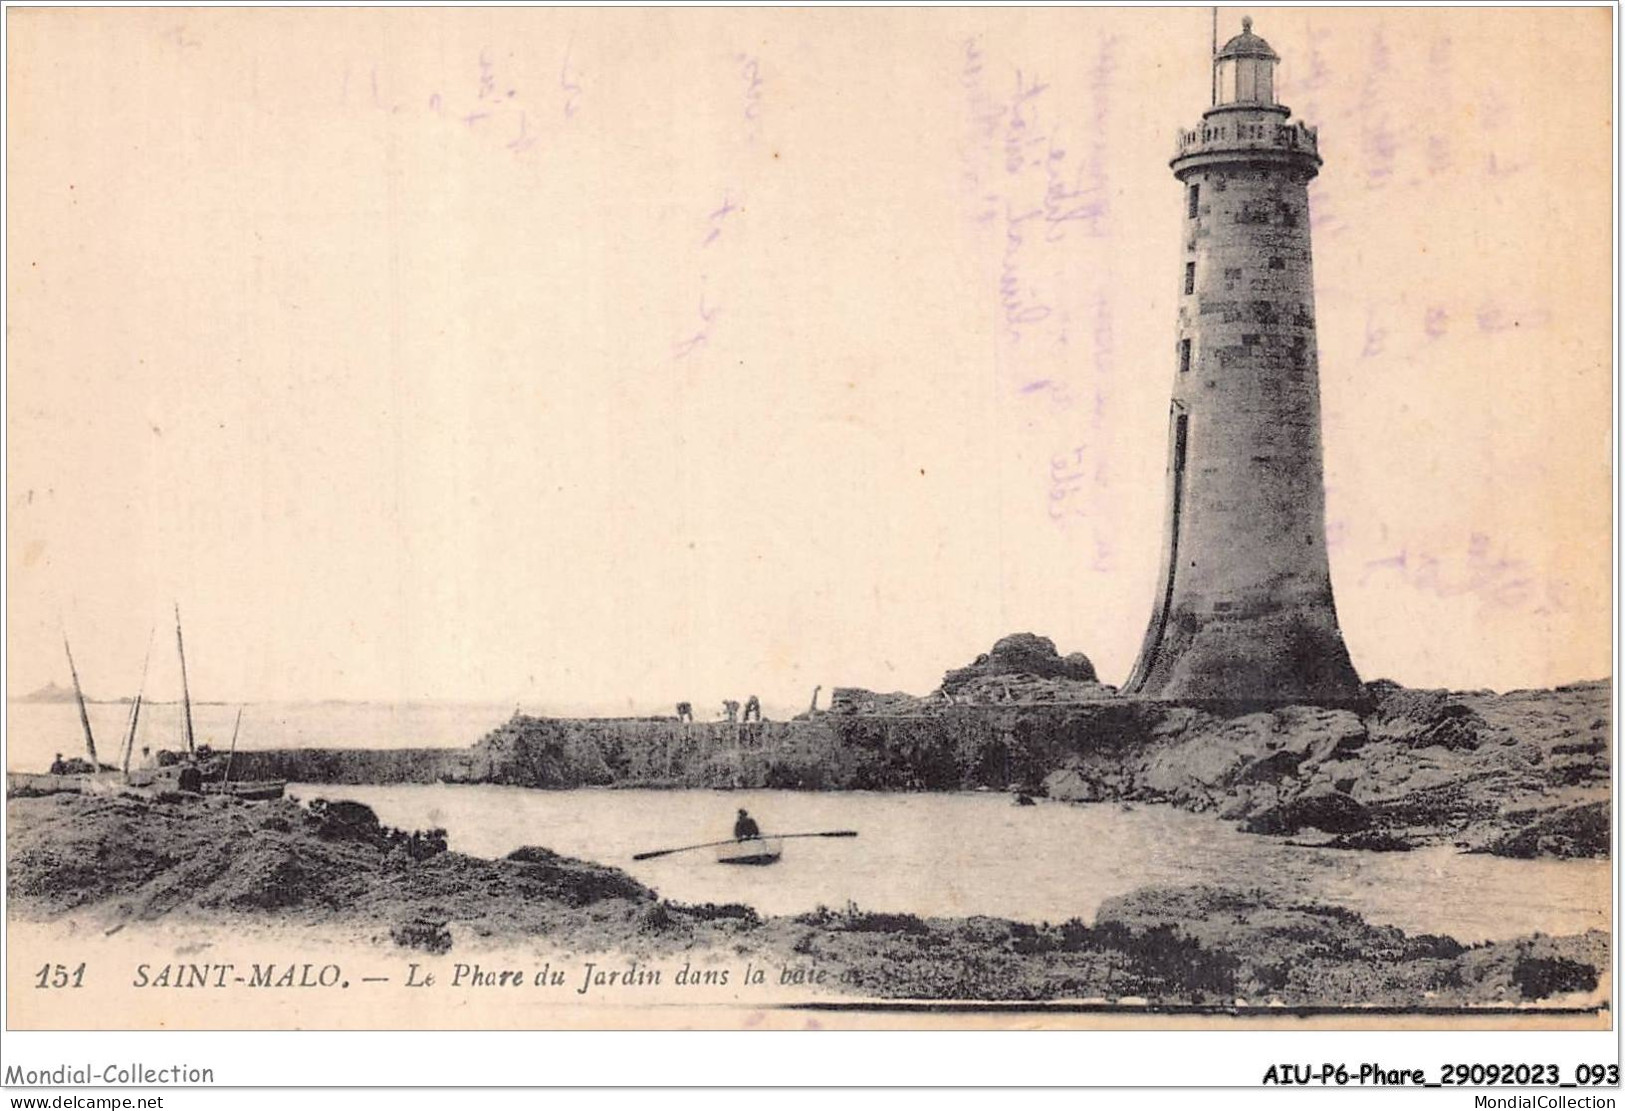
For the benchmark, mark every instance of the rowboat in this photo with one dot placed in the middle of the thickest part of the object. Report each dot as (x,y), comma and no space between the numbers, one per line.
(249,790)
(746,850)
(751,850)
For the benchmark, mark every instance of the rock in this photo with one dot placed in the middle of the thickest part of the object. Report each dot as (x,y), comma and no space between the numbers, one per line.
(1327,811)
(1420,718)
(1371,841)
(1540,977)
(1070,785)
(576,883)
(1573,831)
(50,692)
(1270,769)
(344,820)
(1023,654)
(428,932)
(857,700)
(1078,666)
(1331,734)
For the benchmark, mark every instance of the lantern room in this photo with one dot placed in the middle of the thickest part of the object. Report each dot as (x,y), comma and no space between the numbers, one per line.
(1244,70)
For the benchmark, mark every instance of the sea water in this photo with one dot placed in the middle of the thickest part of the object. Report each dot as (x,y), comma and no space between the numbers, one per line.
(976,853)
(929,854)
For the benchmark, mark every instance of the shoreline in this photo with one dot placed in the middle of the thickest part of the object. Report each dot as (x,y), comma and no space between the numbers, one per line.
(1524,774)
(117,865)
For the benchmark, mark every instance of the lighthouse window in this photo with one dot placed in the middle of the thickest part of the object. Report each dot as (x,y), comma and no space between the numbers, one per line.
(1190,277)
(1191,197)
(1250,339)
(1184,355)
(1277,264)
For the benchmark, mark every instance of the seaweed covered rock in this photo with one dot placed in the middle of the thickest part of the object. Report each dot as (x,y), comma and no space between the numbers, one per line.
(859,700)
(1370,841)
(1420,718)
(1286,948)
(1022,654)
(1327,811)
(343,820)
(575,883)
(1534,968)
(428,931)
(1541,977)
(1204,756)
(1572,831)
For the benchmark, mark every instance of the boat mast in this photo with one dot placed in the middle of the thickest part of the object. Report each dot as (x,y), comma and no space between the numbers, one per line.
(129,742)
(135,707)
(186,694)
(226,778)
(79,695)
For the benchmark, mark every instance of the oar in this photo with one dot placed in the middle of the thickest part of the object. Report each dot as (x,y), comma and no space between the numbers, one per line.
(737,840)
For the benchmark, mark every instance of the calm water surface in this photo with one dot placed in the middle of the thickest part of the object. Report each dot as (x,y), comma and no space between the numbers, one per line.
(964,854)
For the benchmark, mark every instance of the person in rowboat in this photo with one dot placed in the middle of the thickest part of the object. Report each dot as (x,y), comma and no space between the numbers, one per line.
(745,827)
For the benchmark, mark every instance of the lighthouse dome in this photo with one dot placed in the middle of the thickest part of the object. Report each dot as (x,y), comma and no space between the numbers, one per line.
(1247,45)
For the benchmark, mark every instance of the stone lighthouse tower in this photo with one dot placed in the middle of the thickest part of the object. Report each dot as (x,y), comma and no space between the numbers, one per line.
(1244,611)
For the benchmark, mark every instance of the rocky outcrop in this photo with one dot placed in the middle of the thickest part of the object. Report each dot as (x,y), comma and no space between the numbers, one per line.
(1571,831)
(1285,949)
(857,700)
(1021,670)
(50,692)
(1527,772)
(1020,654)
(1524,773)
(1327,811)
(312,865)
(280,866)
(1420,718)
(355,765)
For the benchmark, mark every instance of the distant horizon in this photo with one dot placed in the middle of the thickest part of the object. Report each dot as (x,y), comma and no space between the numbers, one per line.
(607,707)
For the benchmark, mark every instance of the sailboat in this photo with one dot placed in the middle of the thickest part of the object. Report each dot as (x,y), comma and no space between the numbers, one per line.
(249,790)
(73,775)
(198,772)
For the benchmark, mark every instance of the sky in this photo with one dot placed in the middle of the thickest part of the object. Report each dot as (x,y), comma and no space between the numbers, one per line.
(598,359)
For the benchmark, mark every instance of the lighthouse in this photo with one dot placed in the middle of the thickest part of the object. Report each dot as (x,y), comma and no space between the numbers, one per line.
(1243,612)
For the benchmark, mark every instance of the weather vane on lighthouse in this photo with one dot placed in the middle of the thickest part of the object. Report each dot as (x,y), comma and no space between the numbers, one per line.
(1244,610)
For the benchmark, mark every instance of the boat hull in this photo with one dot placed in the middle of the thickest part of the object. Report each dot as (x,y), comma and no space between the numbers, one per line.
(249,790)
(753,852)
